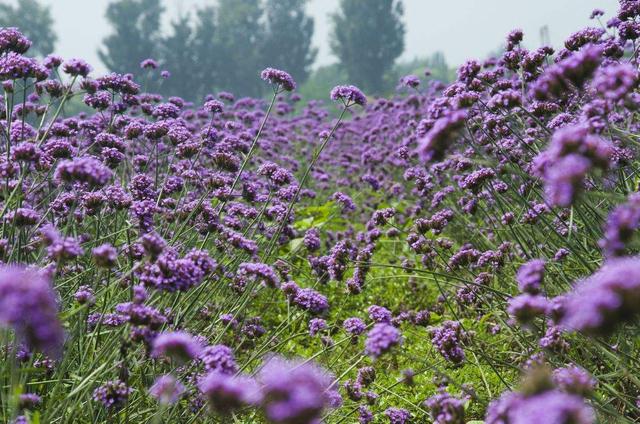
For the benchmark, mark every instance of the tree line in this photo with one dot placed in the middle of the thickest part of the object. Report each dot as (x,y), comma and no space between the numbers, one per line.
(224,45)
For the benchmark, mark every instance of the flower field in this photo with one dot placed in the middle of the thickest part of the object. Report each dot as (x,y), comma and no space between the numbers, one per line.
(454,254)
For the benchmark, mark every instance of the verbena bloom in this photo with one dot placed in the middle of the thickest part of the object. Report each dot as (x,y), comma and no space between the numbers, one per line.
(29,306)
(84,169)
(219,358)
(295,391)
(550,406)
(410,81)
(397,415)
(354,326)
(12,40)
(167,390)
(608,297)
(113,394)
(574,379)
(279,78)
(526,307)
(440,137)
(29,401)
(381,338)
(349,95)
(530,275)
(148,64)
(178,345)
(447,339)
(226,393)
(445,409)
(105,255)
(76,67)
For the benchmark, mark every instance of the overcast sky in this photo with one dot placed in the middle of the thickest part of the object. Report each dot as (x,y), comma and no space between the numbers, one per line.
(459,28)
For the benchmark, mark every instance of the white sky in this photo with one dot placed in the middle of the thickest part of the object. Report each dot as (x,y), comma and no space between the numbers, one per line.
(459,28)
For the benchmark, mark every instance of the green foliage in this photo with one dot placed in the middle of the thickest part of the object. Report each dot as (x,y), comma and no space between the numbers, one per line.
(367,38)
(34,20)
(135,35)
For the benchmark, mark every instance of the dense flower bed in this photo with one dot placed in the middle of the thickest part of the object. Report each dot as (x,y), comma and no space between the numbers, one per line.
(455,253)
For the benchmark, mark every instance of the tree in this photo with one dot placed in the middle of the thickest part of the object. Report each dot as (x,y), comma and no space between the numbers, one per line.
(206,52)
(33,20)
(136,34)
(367,38)
(239,35)
(177,55)
(288,41)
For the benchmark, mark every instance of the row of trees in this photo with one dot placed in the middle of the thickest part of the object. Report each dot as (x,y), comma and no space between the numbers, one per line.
(213,47)
(226,45)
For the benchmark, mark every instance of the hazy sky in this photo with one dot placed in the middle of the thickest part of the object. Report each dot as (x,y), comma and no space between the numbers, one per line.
(459,28)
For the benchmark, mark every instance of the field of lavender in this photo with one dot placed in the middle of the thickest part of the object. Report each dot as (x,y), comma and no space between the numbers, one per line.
(454,254)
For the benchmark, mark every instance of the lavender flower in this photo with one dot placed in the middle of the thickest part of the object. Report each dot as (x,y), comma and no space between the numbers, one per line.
(349,95)
(606,298)
(29,305)
(295,391)
(167,390)
(179,346)
(113,394)
(380,339)
(279,78)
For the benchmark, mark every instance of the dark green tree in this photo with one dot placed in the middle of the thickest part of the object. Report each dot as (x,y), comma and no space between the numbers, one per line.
(236,45)
(33,20)
(177,55)
(367,38)
(135,37)
(206,53)
(287,43)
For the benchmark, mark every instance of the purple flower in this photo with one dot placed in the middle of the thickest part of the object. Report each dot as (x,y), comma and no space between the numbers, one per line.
(575,380)
(354,326)
(214,106)
(316,325)
(29,401)
(76,67)
(179,346)
(167,390)
(279,78)
(526,307)
(410,81)
(349,95)
(12,40)
(105,255)
(113,394)
(550,406)
(310,300)
(219,358)
(441,135)
(620,226)
(445,409)
(295,391)
(379,314)
(397,415)
(85,296)
(614,82)
(29,305)
(447,339)
(84,169)
(608,297)
(226,393)
(380,339)
(530,275)
(148,64)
